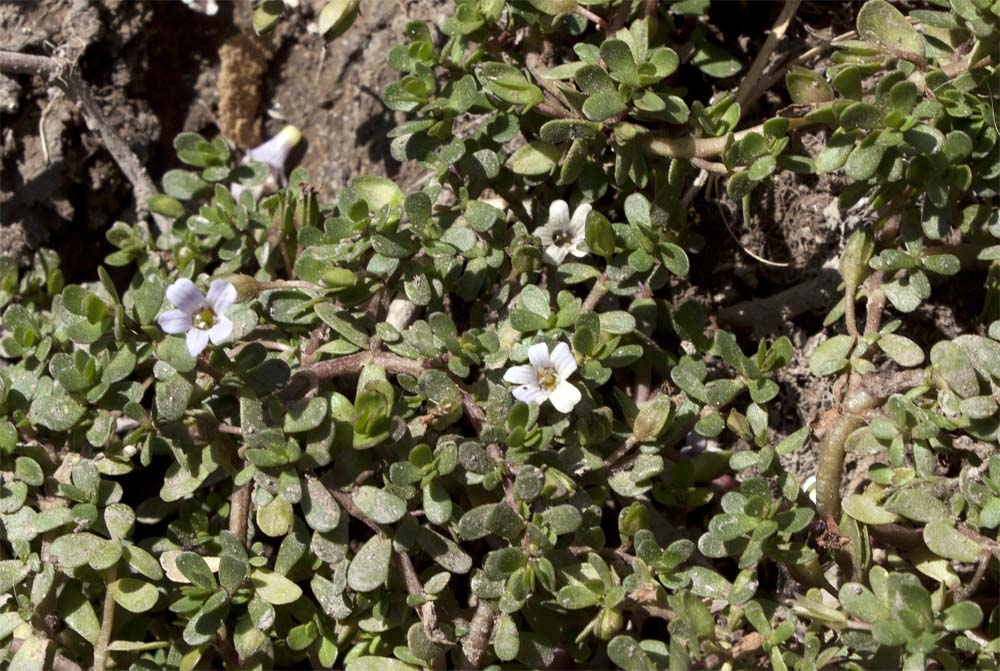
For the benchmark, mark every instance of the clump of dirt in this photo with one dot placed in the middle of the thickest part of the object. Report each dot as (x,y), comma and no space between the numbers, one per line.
(243,63)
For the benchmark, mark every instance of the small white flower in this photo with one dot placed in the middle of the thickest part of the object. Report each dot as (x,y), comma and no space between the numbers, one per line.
(199,316)
(273,154)
(695,444)
(809,487)
(207,7)
(275,151)
(545,378)
(562,235)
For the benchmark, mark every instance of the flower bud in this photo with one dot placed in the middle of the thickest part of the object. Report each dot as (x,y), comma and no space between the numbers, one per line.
(857,254)
(246,286)
(339,278)
(652,419)
(307,209)
(609,621)
(632,519)
(557,484)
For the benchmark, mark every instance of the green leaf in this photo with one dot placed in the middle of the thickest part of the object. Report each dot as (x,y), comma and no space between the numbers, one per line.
(275,519)
(865,509)
(378,192)
(603,105)
(319,506)
(31,655)
(806,87)
(74,550)
(617,322)
(883,24)
(625,652)
(305,414)
(948,542)
(266,15)
(577,596)
(134,595)
(56,413)
(508,84)
(715,61)
(185,185)
(369,568)
(506,642)
(534,158)
(167,206)
(962,615)
(955,368)
(378,664)
(860,602)
(831,356)
(274,588)
(194,568)
(917,504)
(382,506)
(444,551)
(119,518)
(437,503)
(901,349)
(337,16)
(77,612)
(12,572)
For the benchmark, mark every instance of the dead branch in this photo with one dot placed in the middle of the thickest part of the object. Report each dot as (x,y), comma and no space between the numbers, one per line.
(59,72)
(748,86)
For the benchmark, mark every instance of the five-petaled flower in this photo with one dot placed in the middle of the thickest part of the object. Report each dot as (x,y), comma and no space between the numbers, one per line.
(545,377)
(200,317)
(562,235)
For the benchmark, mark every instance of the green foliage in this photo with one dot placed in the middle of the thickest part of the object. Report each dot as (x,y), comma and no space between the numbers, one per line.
(351,477)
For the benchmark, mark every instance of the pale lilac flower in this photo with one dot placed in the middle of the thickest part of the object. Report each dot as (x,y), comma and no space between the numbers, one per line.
(275,151)
(200,317)
(563,235)
(545,377)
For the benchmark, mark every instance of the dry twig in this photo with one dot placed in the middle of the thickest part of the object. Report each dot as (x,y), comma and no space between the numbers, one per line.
(59,72)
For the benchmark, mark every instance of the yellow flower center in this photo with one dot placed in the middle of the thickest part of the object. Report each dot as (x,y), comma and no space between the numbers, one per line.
(204,320)
(562,238)
(547,378)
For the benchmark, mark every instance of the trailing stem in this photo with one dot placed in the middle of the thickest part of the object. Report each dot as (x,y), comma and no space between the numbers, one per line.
(107,622)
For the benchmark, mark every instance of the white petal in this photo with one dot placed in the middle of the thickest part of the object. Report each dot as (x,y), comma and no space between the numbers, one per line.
(197,340)
(538,355)
(544,233)
(527,394)
(555,255)
(579,222)
(221,296)
(521,375)
(174,321)
(559,214)
(564,397)
(275,151)
(578,250)
(564,360)
(223,327)
(184,295)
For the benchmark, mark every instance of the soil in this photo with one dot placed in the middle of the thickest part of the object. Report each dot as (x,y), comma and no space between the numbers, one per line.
(161,68)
